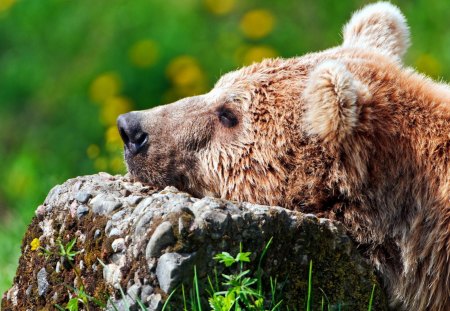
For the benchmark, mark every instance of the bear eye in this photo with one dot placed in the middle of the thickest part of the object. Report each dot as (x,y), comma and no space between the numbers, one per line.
(227,118)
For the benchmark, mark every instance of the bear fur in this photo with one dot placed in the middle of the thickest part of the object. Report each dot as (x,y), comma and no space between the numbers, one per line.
(349,133)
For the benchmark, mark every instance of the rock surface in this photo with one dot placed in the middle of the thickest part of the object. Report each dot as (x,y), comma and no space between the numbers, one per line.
(145,243)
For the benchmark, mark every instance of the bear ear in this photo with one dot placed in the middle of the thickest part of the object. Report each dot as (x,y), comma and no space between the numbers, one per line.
(333,99)
(379,26)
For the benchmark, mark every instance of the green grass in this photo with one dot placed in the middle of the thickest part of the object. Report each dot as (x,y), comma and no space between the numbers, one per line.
(239,293)
(241,290)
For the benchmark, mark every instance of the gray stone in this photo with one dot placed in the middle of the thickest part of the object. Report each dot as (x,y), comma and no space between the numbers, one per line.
(12,293)
(121,304)
(155,302)
(103,204)
(112,275)
(146,291)
(82,210)
(142,224)
(172,268)
(83,197)
(133,200)
(118,216)
(216,222)
(42,282)
(114,232)
(28,291)
(118,259)
(142,206)
(54,193)
(134,292)
(97,233)
(161,238)
(118,245)
(206,203)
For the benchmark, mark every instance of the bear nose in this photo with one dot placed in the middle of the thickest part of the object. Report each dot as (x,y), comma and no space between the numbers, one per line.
(131,132)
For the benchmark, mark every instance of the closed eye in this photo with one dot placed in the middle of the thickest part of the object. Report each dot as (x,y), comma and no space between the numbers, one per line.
(227,118)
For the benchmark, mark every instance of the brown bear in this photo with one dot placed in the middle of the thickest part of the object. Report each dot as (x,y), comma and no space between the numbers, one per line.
(348,133)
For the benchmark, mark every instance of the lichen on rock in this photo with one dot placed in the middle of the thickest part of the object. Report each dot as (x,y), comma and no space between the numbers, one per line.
(131,237)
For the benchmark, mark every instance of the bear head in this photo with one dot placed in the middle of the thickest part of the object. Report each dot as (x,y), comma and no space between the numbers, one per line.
(270,132)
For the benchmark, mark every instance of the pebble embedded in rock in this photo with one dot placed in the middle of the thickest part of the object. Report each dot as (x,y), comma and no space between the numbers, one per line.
(97,233)
(112,275)
(83,197)
(40,211)
(28,291)
(114,232)
(118,245)
(118,216)
(82,210)
(134,291)
(146,291)
(172,268)
(161,238)
(155,303)
(133,200)
(142,224)
(103,204)
(216,222)
(42,282)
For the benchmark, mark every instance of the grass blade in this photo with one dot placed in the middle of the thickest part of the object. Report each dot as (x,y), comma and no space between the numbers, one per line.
(258,270)
(371,298)
(124,297)
(197,292)
(166,303)
(308,300)
(113,304)
(184,298)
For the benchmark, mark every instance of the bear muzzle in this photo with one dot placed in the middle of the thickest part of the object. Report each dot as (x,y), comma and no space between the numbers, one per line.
(134,138)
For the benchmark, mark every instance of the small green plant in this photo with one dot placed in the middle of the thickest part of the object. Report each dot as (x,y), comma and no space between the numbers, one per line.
(243,290)
(79,295)
(66,251)
(238,291)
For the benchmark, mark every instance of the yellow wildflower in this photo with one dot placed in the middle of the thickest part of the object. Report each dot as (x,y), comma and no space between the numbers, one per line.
(143,53)
(105,86)
(220,7)
(258,53)
(35,244)
(5,5)
(257,23)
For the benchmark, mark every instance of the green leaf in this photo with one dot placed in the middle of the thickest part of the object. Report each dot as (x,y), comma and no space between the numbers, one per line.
(72,305)
(225,258)
(243,257)
(70,245)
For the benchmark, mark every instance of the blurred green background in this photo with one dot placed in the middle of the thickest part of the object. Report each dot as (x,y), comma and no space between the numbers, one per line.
(68,68)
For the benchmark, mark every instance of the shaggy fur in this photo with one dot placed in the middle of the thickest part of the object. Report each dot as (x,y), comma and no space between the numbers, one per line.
(347,133)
